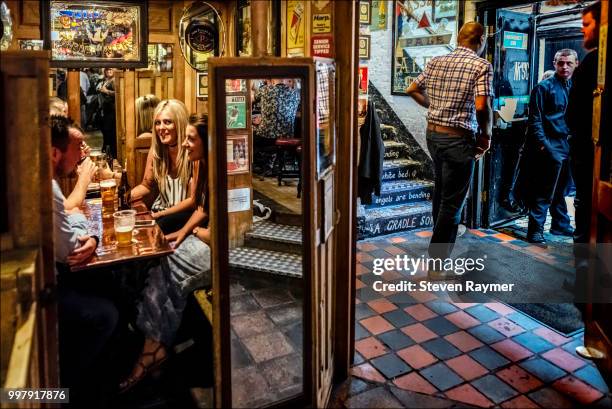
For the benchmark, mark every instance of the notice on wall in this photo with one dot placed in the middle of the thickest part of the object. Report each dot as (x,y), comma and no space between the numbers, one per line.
(238,200)
(321,23)
(321,46)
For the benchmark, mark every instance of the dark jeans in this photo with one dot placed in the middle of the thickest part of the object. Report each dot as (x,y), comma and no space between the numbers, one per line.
(548,190)
(582,169)
(86,322)
(453,158)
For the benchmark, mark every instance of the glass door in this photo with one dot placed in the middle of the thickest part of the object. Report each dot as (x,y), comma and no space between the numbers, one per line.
(271,150)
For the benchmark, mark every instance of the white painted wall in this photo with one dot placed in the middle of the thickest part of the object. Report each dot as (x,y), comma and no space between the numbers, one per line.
(379,71)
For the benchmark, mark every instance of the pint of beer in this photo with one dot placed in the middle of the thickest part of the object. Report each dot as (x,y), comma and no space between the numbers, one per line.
(96,157)
(108,188)
(124,225)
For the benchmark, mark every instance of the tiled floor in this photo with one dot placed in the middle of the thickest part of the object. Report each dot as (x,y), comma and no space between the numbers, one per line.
(426,350)
(266,345)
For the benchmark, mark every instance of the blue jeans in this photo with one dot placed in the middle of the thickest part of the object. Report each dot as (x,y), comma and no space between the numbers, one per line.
(168,286)
(453,158)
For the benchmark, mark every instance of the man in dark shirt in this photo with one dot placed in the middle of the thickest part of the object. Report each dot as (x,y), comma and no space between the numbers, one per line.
(547,144)
(579,117)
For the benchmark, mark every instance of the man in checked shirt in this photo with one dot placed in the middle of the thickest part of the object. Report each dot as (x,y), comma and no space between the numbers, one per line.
(456,89)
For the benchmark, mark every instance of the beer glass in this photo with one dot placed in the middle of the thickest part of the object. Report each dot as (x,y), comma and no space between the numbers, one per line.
(96,157)
(124,226)
(108,188)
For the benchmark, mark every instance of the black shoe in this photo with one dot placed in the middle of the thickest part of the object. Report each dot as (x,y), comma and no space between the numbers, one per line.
(568,232)
(536,238)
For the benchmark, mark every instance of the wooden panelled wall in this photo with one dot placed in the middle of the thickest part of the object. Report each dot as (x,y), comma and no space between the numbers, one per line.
(27,246)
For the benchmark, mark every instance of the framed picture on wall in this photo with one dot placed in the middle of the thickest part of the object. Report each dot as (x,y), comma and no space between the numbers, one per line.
(364,47)
(202,85)
(237,85)
(235,112)
(422,30)
(96,34)
(30,44)
(237,154)
(365,12)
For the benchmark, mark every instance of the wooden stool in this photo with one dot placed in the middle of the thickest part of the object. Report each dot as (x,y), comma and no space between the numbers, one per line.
(287,154)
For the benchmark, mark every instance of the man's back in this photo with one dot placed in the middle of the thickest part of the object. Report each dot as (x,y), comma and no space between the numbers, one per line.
(452,82)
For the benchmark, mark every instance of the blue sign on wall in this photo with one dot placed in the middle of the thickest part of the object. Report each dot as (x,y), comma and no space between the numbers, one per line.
(515,40)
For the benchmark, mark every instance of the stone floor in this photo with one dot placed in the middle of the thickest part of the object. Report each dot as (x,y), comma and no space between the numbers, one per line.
(420,350)
(267,339)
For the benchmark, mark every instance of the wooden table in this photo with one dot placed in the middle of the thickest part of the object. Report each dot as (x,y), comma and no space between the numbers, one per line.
(147,242)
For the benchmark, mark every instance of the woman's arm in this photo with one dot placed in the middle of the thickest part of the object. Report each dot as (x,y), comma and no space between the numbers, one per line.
(148,181)
(86,171)
(203,234)
(197,217)
(182,206)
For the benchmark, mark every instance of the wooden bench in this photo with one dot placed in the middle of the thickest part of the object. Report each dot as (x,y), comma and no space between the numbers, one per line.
(204,298)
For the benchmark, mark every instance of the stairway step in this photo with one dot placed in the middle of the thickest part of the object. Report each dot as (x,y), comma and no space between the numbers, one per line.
(402,192)
(400,169)
(273,236)
(266,261)
(388,131)
(395,150)
(394,219)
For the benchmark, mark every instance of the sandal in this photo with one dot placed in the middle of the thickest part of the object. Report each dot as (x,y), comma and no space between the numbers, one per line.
(132,381)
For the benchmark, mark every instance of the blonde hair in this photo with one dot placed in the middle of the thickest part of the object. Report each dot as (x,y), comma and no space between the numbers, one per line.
(161,155)
(145,107)
(57,106)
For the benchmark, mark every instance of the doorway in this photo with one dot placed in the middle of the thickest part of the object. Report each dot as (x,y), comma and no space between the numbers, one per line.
(522,50)
(272,240)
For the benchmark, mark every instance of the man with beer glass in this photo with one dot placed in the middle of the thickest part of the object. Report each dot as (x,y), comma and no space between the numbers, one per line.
(86,319)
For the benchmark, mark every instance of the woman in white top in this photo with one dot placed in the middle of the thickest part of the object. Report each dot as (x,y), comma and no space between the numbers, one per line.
(168,171)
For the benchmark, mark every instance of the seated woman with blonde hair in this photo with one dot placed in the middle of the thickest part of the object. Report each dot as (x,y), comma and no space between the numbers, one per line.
(168,171)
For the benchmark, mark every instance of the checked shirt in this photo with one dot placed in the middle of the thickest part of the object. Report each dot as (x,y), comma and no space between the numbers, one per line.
(452,82)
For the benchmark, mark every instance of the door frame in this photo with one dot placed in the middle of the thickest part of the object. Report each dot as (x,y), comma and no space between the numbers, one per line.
(221,69)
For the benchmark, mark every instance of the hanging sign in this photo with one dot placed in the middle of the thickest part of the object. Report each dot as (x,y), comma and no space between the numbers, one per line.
(321,46)
(517,41)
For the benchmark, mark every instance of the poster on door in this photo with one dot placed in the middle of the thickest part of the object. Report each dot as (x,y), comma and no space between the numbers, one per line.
(235,112)
(237,154)
(295,28)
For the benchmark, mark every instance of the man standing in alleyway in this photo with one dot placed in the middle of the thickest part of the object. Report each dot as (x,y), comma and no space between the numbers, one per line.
(457,90)
(579,115)
(548,146)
